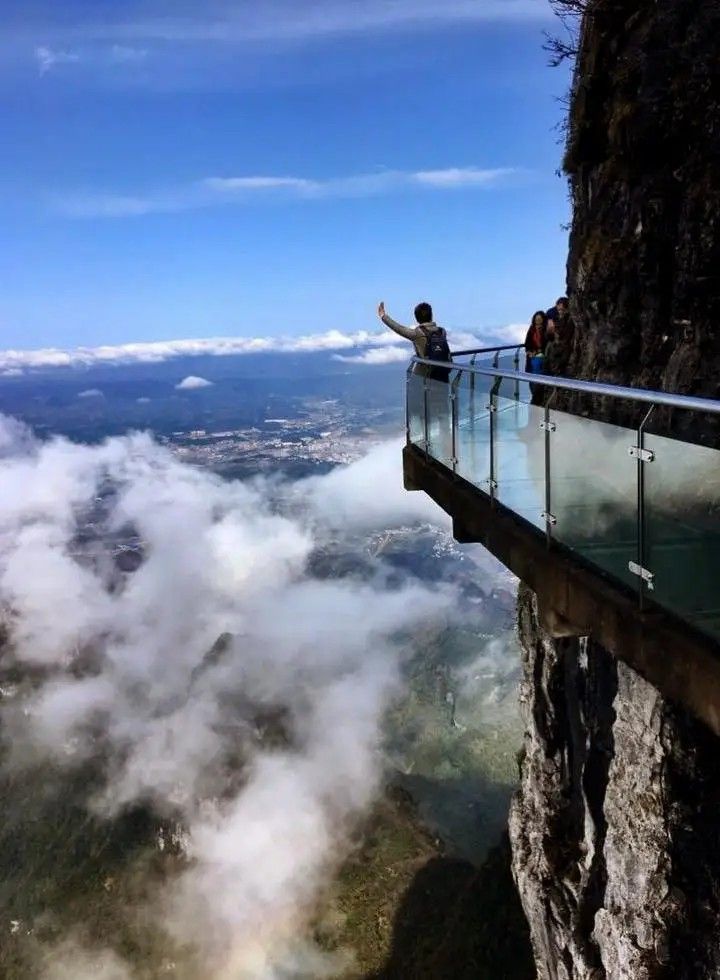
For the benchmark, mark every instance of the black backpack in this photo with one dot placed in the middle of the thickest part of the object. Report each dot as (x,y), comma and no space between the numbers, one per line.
(437,349)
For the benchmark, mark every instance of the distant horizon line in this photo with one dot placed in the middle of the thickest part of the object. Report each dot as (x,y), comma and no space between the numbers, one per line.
(374,347)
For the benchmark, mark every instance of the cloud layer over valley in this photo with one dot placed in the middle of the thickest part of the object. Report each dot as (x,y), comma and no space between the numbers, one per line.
(166,680)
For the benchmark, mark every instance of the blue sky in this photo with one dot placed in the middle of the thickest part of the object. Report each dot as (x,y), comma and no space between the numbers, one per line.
(176,169)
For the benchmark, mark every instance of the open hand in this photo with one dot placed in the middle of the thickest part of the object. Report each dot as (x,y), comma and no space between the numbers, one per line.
(381,310)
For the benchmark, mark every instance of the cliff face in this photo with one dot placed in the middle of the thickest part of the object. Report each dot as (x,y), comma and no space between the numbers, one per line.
(643,156)
(615,829)
(616,850)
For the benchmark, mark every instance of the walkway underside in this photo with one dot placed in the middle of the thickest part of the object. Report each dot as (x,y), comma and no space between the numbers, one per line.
(576,601)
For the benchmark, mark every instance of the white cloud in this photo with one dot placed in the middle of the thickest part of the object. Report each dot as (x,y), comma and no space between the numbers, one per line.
(158,351)
(47,58)
(369,493)
(143,401)
(164,350)
(376,355)
(462,177)
(192,382)
(232,184)
(513,333)
(219,191)
(91,393)
(217,559)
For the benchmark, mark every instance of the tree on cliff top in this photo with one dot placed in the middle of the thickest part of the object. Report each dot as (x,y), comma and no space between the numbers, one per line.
(570,14)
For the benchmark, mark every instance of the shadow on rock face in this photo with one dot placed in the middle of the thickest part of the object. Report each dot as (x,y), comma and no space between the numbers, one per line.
(460,921)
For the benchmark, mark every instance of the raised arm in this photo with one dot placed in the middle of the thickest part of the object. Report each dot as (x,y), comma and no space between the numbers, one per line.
(409,333)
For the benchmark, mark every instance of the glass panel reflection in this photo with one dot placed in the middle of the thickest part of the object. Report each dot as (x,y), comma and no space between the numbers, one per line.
(416,410)
(682,529)
(439,427)
(473,432)
(520,458)
(593,492)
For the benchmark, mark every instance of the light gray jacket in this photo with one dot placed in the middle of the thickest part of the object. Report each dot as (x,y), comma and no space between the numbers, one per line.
(418,335)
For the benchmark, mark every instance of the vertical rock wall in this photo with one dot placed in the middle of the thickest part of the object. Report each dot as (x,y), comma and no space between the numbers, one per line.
(616,826)
(643,158)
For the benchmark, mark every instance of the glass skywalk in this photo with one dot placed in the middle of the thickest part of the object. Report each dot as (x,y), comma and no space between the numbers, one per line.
(643,509)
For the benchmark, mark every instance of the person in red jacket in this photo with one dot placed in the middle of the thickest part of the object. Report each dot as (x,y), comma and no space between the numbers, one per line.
(536,341)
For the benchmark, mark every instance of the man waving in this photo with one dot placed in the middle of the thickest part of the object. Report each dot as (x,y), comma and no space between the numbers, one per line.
(429,340)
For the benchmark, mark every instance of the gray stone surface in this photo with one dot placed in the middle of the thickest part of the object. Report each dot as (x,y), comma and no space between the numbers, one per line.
(616,826)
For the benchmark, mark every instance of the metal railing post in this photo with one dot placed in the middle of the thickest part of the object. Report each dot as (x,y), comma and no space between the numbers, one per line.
(641,529)
(549,427)
(454,420)
(425,417)
(516,365)
(408,375)
(492,414)
(472,391)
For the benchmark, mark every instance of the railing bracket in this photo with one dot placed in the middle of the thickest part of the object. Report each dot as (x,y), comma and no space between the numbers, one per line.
(549,518)
(642,573)
(644,455)
(548,426)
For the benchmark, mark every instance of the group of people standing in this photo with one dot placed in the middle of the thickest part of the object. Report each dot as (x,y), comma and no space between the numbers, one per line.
(430,340)
(546,328)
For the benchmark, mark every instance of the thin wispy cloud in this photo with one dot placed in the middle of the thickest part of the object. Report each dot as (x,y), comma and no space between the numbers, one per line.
(48,58)
(122,54)
(223,21)
(218,191)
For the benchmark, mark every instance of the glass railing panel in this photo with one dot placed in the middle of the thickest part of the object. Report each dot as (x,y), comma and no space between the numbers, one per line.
(593,492)
(520,456)
(416,410)
(511,362)
(473,430)
(518,390)
(682,529)
(439,421)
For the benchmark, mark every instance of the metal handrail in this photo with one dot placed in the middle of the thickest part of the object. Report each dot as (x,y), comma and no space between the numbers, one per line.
(487,350)
(689,402)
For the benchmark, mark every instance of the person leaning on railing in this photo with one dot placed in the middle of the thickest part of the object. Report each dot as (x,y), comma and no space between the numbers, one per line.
(427,337)
(561,333)
(536,341)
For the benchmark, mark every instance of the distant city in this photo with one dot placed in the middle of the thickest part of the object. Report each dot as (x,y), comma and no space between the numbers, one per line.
(237,414)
